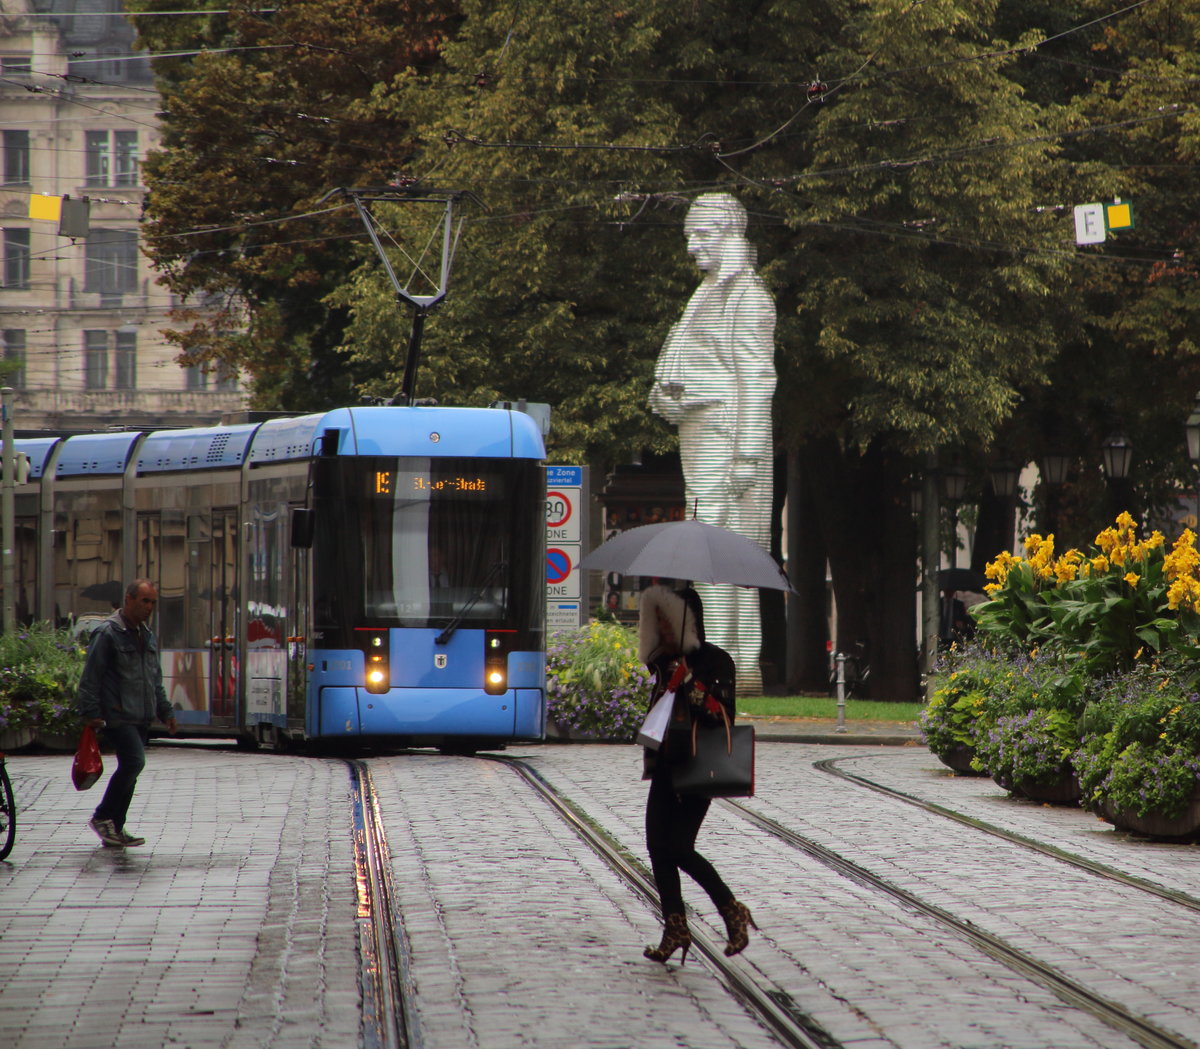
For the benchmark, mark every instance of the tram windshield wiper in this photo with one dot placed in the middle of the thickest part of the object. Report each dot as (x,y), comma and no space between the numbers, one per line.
(456,622)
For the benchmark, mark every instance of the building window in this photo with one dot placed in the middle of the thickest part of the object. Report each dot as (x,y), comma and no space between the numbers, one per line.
(98,160)
(219,377)
(112,158)
(95,360)
(16,65)
(126,360)
(125,158)
(14,356)
(197,377)
(16,158)
(16,258)
(112,258)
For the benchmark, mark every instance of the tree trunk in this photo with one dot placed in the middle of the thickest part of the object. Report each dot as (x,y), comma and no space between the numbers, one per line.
(807,611)
(864,514)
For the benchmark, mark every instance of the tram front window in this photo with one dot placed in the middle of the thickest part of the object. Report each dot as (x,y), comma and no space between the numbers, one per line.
(421,542)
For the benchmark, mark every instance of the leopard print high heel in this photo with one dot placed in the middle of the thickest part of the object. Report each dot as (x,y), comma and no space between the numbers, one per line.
(737,917)
(675,935)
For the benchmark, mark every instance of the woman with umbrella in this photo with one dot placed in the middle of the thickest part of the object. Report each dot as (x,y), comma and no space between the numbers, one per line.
(671,643)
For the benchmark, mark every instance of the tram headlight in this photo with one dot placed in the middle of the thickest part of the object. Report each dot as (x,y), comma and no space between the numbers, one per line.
(496,644)
(377,677)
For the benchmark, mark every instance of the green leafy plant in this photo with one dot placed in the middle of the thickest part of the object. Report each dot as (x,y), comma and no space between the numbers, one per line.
(1119,626)
(1033,747)
(978,685)
(595,684)
(1139,747)
(40,667)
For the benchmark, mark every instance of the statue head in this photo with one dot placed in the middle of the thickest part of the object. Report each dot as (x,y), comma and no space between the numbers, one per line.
(715,228)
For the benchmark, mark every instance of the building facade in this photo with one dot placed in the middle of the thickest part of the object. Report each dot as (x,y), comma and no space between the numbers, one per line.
(81,316)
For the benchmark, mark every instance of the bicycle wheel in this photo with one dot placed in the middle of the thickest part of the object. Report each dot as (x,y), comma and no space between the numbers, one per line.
(8,813)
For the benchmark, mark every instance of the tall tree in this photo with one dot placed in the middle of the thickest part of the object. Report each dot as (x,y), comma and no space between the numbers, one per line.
(905,165)
(903,279)
(259,126)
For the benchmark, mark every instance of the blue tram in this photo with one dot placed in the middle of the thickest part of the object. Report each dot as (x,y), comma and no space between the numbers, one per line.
(365,572)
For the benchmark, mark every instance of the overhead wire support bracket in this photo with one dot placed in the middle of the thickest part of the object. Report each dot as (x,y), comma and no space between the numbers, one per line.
(423,290)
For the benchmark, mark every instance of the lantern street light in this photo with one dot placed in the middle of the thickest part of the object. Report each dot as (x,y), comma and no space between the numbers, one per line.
(1117,456)
(1054,466)
(1005,478)
(1117,453)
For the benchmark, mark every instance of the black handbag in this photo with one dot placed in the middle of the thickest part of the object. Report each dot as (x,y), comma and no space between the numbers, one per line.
(721,762)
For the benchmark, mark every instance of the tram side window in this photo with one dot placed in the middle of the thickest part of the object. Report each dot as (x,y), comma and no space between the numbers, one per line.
(198,590)
(26,536)
(172,580)
(148,531)
(88,560)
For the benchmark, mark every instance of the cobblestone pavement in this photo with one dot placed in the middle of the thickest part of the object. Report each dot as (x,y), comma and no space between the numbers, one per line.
(233,926)
(853,959)
(236,925)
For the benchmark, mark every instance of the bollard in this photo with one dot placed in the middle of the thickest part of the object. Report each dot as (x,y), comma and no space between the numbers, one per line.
(840,657)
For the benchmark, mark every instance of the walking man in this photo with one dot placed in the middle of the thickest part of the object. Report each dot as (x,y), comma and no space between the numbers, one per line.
(120,693)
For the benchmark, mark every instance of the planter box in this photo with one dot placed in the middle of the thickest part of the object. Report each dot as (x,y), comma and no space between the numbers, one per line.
(560,732)
(959,759)
(63,741)
(1061,791)
(15,739)
(1185,825)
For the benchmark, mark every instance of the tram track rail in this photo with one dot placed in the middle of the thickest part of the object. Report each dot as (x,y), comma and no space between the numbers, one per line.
(832,767)
(389,1015)
(1074,994)
(388,991)
(773,1007)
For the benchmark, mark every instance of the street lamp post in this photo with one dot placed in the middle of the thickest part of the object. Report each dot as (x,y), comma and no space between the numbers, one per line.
(1191,430)
(1117,457)
(954,487)
(1053,467)
(1006,479)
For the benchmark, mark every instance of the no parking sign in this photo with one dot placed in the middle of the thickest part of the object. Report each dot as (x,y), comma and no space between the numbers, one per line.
(566,494)
(559,565)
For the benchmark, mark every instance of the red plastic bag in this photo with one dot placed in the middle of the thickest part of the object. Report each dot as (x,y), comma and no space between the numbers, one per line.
(87,767)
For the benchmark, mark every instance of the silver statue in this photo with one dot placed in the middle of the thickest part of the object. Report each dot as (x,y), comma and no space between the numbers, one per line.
(714,381)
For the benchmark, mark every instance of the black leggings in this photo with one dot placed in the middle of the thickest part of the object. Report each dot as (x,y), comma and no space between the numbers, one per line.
(672,823)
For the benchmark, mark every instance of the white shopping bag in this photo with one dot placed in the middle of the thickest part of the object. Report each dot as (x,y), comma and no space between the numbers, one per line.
(654,728)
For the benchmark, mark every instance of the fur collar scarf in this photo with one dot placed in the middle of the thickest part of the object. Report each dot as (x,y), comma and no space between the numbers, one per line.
(674,609)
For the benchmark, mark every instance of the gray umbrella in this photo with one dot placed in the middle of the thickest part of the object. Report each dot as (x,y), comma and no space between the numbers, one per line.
(692,550)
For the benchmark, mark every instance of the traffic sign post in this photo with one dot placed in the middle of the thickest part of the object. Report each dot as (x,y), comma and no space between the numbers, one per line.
(566,532)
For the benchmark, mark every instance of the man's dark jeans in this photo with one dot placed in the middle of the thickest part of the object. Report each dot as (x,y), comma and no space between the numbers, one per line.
(129,741)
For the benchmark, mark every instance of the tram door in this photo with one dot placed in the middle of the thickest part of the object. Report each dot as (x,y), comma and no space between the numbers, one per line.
(297,637)
(223,634)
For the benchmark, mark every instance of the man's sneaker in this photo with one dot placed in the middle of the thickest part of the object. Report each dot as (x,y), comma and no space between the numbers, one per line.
(107,832)
(129,839)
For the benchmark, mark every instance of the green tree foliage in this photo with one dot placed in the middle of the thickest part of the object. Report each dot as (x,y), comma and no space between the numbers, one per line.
(272,115)
(909,287)
(909,169)
(585,131)
(1124,321)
